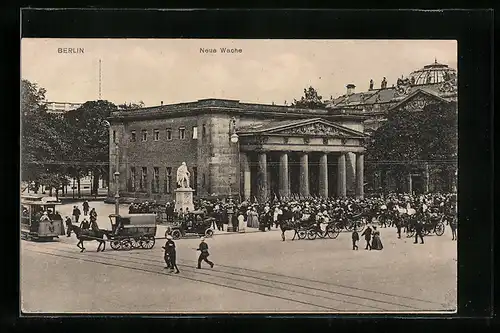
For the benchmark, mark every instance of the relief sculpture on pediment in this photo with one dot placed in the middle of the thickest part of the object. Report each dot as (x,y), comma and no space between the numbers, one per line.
(417,103)
(317,129)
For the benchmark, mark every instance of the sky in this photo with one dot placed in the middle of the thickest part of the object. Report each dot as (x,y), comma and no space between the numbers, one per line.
(175,70)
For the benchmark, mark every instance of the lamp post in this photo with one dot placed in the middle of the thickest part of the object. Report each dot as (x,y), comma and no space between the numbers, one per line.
(235,139)
(117,183)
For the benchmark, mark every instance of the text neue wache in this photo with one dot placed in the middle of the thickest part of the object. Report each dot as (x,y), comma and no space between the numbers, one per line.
(220,50)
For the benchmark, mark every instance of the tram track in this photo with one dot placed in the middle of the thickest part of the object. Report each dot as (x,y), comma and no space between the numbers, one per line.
(157,271)
(256,282)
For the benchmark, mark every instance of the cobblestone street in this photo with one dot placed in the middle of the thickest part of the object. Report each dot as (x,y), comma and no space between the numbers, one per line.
(254,272)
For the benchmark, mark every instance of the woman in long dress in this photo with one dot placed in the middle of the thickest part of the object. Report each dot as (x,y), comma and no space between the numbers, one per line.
(376,242)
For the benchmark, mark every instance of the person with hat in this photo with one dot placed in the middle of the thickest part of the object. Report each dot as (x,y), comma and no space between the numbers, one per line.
(45,217)
(69,226)
(76,214)
(203,248)
(170,255)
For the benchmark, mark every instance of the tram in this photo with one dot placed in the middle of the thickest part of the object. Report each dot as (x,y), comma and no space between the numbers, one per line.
(32,209)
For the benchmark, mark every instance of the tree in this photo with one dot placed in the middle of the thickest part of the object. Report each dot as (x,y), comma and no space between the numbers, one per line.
(310,100)
(408,136)
(89,137)
(40,139)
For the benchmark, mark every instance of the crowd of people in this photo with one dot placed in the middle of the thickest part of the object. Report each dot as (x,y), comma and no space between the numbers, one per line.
(89,220)
(384,209)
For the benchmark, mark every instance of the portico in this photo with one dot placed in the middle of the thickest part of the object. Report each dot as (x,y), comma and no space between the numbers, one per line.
(303,157)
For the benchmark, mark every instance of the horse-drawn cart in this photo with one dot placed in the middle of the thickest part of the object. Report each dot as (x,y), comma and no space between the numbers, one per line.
(132,231)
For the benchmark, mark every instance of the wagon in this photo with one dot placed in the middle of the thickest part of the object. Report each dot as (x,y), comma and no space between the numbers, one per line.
(132,231)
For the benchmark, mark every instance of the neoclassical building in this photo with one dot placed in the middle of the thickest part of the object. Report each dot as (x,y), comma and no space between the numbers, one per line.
(237,149)
(256,151)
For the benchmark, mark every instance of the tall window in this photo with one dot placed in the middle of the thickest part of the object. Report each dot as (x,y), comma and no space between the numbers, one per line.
(169,134)
(182,133)
(203,131)
(168,180)
(156,135)
(156,180)
(133,177)
(144,178)
(144,135)
(195,179)
(195,132)
(114,136)
(133,137)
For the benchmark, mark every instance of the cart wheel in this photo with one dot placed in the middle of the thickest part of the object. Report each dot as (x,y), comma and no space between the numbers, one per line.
(176,234)
(115,244)
(209,233)
(311,234)
(135,242)
(439,229)
(126,244)
(332,232)
(302,234)
(148,243)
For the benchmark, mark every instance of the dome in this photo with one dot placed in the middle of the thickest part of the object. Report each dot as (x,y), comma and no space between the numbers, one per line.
(433,73)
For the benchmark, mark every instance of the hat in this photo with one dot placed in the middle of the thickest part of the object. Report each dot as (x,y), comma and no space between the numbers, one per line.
(202,239)
(169,237)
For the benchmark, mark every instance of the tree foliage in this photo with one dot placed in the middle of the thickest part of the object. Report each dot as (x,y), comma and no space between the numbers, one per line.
(81,135)
(310,100)
(429,135)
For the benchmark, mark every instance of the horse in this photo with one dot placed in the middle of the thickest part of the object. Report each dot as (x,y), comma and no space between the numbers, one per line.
(288,225)
(84,235)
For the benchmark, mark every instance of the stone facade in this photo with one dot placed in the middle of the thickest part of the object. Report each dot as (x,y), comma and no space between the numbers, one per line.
(219,166)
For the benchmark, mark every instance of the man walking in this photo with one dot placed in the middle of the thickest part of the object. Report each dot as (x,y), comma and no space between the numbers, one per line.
(368,236)
(85,208)
(170,255)
(355,238)
(418,232)
(453,226)
(204,254)
(69,226)
(76,214)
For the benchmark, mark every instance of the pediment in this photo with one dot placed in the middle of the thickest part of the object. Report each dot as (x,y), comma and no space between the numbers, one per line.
(317,128)
(418,101)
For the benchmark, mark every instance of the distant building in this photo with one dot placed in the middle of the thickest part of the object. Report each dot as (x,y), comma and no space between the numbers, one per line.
(433,84)
(61,107)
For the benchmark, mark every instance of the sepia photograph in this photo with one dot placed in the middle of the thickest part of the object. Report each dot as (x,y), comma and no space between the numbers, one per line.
(238,176)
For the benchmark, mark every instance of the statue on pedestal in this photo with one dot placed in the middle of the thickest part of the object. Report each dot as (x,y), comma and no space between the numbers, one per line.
(183,176)
(183,194)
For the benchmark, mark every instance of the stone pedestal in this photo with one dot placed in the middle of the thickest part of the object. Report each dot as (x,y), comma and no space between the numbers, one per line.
(184,199)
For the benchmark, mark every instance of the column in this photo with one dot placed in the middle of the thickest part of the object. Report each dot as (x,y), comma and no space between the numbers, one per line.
(304,175)
(360,176)
(323,176)
(283,181)
(245,172)
(262,177)
(341,176)
(410,184)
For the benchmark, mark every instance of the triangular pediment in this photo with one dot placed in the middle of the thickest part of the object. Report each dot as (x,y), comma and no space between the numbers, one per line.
(418,100)
(310,127)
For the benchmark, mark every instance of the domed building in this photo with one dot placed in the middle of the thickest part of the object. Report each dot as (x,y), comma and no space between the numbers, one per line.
(433,73)
(432,84)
